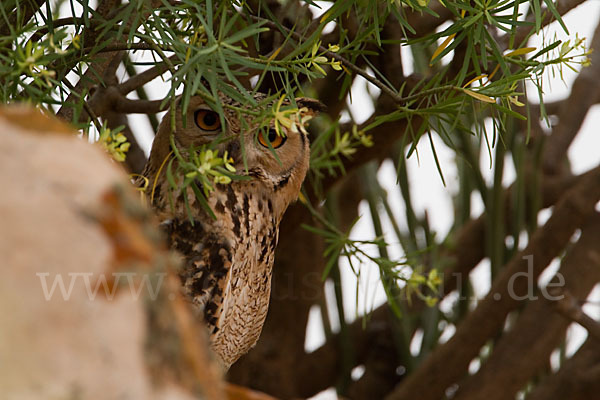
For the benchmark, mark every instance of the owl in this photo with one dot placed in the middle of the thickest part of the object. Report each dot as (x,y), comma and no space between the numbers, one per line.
(228,260)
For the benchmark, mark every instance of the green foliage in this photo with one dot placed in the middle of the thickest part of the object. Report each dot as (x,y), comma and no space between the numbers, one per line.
(218,42)
(199,170)
(208,48)
(114,142)
(332,147)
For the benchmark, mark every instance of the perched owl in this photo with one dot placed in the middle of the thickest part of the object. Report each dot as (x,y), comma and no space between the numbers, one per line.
(228,260)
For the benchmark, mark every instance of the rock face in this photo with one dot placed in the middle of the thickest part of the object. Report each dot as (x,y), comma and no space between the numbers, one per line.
(86,287)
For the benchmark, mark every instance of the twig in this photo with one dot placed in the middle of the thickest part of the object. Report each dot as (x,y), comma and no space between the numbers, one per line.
(123,46)
(144,77)
(86,106)
(104,9)
(140,90)
(29,8)
(126,106)
(584,94)
(109,74)
(563,7)
(351,66)
(57,23)
(569,307)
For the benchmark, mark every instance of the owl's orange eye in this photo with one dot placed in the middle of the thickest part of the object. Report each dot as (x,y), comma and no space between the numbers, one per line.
(271,137)
(207,120)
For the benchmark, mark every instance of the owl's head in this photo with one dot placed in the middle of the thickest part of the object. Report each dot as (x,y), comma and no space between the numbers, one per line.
(277,163)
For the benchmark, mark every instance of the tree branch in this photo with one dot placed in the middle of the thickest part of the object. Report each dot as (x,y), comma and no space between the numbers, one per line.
(144,77)
(317,370)
(464,258)
(28,8)
(449,362)
(577,379)
(87,80)
(537,331)
(569,307)
(131,106)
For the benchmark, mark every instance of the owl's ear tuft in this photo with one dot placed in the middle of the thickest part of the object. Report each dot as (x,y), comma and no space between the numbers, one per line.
(314,106)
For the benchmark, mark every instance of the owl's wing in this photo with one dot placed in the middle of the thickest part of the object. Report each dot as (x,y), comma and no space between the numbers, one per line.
(206,266)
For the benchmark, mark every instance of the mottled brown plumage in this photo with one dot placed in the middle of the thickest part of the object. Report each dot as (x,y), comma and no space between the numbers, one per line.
(228,260)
